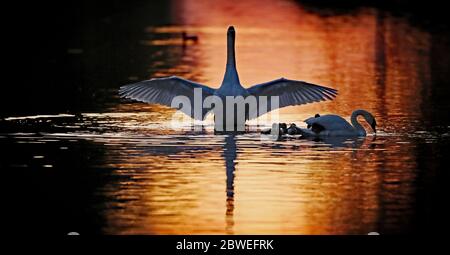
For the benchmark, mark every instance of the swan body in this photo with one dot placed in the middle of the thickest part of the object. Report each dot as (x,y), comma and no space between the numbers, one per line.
(289,92)
(335,125)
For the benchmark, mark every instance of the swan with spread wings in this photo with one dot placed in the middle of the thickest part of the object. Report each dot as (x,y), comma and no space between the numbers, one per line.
(288,92)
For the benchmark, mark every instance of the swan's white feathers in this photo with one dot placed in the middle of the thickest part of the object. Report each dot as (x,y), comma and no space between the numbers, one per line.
(164,90)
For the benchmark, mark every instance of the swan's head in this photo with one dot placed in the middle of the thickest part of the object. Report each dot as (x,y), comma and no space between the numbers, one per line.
(367,116)
(231,31)
(371,120)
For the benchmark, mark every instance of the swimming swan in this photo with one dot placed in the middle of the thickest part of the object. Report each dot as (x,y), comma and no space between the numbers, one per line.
(334,125)
(164,90)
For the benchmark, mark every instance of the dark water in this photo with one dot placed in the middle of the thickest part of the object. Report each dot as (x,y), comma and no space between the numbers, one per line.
(85,161)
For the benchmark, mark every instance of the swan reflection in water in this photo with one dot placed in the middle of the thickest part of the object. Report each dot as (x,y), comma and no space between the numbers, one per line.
(230,156)
(345,142)
(178,195)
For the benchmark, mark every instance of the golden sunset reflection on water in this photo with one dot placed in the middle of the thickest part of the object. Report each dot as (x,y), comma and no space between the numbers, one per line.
(172,183)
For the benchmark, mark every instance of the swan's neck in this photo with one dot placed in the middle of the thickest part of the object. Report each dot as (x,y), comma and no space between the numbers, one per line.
(354,119)
(231,76)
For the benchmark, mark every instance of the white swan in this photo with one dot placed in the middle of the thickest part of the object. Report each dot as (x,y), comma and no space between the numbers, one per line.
(334,125)
(163,90)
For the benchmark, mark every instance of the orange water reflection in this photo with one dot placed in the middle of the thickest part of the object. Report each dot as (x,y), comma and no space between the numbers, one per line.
(241,185)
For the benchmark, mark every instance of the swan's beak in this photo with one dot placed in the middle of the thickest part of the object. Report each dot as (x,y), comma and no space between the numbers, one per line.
(374,126)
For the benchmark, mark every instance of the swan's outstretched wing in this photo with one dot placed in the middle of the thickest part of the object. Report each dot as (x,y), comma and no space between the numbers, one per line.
(164,90)
(291,92)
